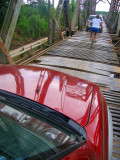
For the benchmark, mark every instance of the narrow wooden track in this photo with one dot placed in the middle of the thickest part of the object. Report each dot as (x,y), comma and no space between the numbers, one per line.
(100,65)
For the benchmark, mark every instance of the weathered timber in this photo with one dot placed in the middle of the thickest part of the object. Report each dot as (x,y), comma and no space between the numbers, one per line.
(118,26)
(7,20)
(66,13)
(59,10)
(49,25)
(13,24)
(5,57)
(75,15)
(113,16)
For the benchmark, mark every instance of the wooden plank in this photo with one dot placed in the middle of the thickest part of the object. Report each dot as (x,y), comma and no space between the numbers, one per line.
(115,119)
(116,138)
(114,103)
(116,133)
(112,94)
(114,158)
(114,108)
(116,98)
(115,111)
(87,76)
(116,129)
(116,124)
(83,53)
(83,56)
(115,151)
(89,72)
(116,116)
(70,63)
(87,65)
(112,99)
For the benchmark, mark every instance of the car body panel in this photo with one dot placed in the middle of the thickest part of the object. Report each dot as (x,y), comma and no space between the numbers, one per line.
(50,88)
(85,152)
(97,131)
(78,99)
(97,127)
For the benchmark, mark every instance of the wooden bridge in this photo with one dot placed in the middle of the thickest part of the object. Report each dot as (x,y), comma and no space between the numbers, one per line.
(74,56)
(100,65)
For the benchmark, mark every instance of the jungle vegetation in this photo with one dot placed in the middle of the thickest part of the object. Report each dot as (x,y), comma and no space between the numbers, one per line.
(32,23)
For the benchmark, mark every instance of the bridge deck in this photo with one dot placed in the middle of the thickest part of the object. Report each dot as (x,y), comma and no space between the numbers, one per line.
(99,65)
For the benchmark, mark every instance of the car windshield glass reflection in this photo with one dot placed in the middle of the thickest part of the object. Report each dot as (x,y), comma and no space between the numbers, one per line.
(25,137)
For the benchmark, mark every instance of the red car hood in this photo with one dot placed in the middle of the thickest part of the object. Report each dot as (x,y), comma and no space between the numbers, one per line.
(66,94)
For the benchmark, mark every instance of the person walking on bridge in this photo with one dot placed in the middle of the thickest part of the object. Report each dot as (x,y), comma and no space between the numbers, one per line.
(96,22)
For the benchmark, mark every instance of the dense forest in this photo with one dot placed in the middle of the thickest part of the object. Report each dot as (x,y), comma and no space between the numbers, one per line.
(32,22)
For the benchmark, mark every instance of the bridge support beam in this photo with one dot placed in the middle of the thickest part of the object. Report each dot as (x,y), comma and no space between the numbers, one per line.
(113,16)
(57,32)
(10,21)
(66,13)
(50,25)
(118,26)
(8,30)
(75,15)
(7,20)
(89,8)
(4,54)
(54,32)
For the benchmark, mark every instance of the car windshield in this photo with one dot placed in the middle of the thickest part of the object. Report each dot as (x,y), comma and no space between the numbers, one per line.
(92,17)
(25,136)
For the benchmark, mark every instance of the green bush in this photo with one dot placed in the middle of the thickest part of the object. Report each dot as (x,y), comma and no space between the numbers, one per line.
(31,23)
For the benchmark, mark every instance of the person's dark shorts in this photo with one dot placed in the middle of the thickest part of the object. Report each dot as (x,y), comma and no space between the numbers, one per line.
(93,29)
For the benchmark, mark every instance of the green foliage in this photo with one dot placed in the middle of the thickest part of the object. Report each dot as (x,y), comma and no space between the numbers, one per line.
(18,37)
(33,19)
(32,23)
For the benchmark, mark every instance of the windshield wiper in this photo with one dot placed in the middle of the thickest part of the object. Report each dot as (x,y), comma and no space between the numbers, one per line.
(45,112)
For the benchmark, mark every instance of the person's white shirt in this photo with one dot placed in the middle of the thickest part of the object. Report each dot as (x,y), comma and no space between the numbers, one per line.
(96,23)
